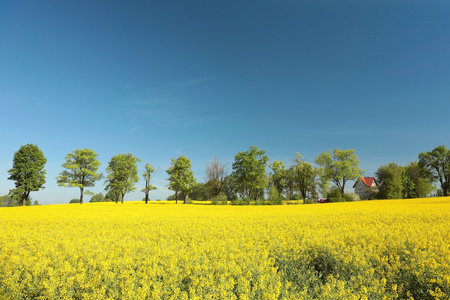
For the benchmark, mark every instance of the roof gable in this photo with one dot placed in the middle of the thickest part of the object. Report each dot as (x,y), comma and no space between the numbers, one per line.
(368,181)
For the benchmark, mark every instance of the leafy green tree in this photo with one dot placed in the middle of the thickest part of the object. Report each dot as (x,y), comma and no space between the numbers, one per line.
(290,183)
(98,198)
(199,192)
(122,175)
(28,172)
(74,201)
(339,166)
(112,196)
(436,163)
(277,177)
(420,183)
(7,200)
(215,176)
(229,188)
(181,177)
(390,181)
(82,166)
(304,176)
(148,174)
(249,172)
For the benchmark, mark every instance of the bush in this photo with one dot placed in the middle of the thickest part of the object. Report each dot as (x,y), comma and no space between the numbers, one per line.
(75,201)
(219,200)
(274,197)
(351,197)
(334,195)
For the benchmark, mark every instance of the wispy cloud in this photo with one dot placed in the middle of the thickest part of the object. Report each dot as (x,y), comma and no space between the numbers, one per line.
(133,129)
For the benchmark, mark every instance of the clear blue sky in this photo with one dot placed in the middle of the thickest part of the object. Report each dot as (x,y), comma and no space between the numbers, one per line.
(161,79)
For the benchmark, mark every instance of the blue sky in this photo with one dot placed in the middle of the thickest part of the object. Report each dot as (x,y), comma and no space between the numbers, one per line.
(161,79)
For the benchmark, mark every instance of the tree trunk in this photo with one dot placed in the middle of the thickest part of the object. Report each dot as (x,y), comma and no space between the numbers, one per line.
(176,197)
(121,200)
(185,199)
(146,197)
(81,195)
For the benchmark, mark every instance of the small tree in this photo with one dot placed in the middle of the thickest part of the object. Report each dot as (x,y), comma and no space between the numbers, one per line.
(181,177)
(278,176)
(98,198)
(122,175)
(82,166)
(27,172)
(249,172)
(437,164)
(390,180)
(305,177)
(148,174)
(339,166)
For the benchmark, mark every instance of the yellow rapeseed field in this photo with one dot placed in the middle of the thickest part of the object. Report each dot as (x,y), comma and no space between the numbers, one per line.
(363,250)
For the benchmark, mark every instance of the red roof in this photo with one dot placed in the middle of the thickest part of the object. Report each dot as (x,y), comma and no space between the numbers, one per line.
(368,180)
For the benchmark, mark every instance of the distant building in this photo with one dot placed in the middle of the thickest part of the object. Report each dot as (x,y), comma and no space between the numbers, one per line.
(363,185)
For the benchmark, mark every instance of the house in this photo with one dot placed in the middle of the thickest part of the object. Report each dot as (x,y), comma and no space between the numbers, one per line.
(363,185)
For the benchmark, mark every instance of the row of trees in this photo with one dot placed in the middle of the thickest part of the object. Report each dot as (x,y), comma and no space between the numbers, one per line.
(248,179)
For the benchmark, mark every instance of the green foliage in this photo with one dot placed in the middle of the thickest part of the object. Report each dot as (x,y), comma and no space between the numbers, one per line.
(390,181)
(76,200)
(304,176)
(98,198)
(339,167)
(28,172)
(112,196)
(436,165)
(148,174)
(199,192)
(122,174)
(81,170)
(334,195)
(7,201)
(351,197)
(219,200)
(278,176)
(275,197)
(229,188)
(249,172)
(181,177)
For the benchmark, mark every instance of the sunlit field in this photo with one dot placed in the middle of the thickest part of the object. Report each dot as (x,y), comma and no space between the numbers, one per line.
(363,250)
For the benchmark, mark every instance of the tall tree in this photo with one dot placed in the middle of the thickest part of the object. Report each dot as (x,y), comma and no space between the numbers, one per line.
(215,176)
(122,174)
(304,176)
(181,177)
(148,174)
(339,166)
(390,181)
(420,182)
(249,172)
(437,164)
(27,172)
(82,166)
(277,177)
(290,183)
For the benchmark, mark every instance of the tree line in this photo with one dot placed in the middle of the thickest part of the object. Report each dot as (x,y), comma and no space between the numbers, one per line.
(247,183)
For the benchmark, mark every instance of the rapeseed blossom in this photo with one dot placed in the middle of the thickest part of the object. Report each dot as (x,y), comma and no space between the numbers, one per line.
(363,250)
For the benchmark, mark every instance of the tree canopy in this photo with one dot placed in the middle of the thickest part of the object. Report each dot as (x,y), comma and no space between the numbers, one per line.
(28,172)
(249,172)
(181,177)
(339,166)
(81,170)
(122,174)
(437,164)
